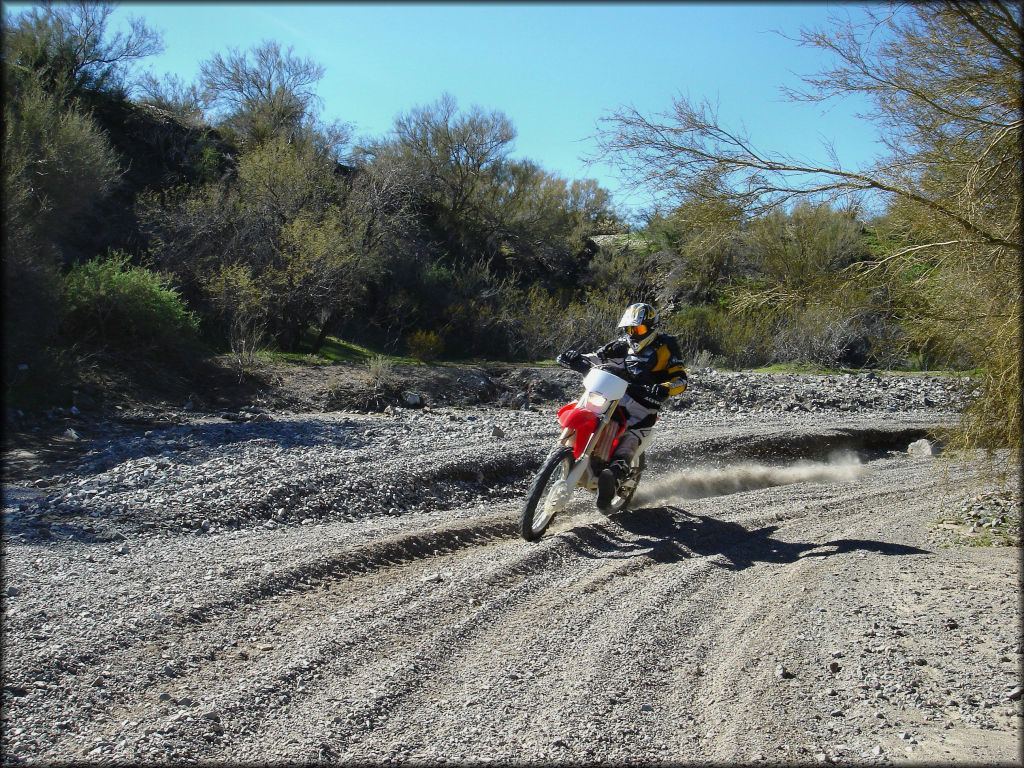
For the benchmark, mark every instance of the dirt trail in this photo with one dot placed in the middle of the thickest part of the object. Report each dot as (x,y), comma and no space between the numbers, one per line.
(740,613)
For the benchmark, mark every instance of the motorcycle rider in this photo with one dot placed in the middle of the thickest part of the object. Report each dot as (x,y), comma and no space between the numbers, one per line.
(652,363)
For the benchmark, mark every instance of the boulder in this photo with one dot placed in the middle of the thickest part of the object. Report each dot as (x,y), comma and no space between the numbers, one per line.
(921,447)
(412,400)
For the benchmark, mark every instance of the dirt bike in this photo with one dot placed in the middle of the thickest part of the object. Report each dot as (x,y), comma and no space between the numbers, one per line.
(591,428)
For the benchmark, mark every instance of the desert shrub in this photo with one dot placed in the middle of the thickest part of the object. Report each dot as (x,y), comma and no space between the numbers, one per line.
(816,335)
(57,161)
(539,324)
(731,338)
(699,361)
(590,321)
(108,302)
(380,372)
(533,322)
(697,327)
(240,302)
(425,346)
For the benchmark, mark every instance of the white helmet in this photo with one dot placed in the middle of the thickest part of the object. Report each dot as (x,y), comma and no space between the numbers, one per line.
(638,322)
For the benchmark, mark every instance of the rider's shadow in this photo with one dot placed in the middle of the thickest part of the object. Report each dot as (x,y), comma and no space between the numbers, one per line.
(669,534)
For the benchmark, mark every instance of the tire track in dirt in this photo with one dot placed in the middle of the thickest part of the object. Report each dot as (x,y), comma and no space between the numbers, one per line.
(441,661)
(651,635)
(373,611)
(390,556)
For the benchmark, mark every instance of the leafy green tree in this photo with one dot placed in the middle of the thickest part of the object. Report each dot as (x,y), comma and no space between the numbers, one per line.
(945,81)
(458,157)
(267,252)
(56,164)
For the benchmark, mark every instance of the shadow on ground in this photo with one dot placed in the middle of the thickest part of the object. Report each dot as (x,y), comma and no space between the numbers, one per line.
(669,534)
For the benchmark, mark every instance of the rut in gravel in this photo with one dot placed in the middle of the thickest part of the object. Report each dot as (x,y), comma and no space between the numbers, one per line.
(608,633)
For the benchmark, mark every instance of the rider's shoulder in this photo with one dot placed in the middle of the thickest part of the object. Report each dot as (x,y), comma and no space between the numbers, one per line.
(666,338)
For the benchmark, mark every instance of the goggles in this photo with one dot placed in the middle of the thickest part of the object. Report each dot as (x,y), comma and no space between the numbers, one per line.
(636,330)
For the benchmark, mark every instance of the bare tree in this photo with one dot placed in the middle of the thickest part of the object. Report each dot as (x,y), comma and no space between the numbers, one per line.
(944,79)
(67,48)
(262,92)
(171,94)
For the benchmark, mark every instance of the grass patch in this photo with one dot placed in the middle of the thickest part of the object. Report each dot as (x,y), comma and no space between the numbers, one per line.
(333,350)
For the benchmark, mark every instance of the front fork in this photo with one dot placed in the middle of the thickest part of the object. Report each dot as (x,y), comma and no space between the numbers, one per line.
(581,474)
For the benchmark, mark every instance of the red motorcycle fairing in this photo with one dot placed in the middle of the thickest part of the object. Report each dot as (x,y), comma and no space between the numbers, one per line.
(585,423)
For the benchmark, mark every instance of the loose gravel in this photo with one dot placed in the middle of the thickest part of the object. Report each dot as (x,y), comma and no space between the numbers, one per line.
(348,587)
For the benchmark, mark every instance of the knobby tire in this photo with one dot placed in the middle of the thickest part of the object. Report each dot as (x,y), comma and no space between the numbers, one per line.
(539,492)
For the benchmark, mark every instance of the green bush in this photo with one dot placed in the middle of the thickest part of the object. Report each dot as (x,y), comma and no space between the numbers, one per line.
(425,346)
(697,329)
(109,303)
(734,340)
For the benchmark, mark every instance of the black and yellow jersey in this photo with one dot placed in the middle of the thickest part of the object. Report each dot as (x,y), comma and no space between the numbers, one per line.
(658,362)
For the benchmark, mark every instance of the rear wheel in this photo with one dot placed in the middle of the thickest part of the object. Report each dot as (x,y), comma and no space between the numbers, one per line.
(548,495)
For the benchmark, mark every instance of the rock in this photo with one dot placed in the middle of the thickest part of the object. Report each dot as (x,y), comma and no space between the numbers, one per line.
(13,592)
(920,448)
(412,400)
(783,674)
(71,434)
(497,432)
(262,418)
(1015,694)
(834,667)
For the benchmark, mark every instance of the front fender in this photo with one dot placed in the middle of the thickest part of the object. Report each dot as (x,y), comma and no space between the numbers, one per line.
(582,421)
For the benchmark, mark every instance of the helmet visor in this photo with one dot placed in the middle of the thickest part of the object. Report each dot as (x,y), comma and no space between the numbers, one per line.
(637,330)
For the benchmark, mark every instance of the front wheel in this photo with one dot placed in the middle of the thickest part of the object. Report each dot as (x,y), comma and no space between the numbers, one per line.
(548,495)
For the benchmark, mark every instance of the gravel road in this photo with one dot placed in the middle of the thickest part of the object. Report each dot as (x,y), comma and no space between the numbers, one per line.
(791,586)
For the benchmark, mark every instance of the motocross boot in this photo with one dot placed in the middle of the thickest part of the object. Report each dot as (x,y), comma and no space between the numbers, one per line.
(608,483)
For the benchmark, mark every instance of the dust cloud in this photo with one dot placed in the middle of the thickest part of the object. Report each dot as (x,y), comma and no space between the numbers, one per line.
(699,483)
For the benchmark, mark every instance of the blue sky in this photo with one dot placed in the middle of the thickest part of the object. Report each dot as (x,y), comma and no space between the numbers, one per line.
(554,69)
